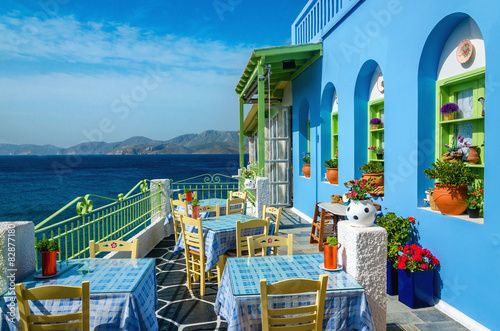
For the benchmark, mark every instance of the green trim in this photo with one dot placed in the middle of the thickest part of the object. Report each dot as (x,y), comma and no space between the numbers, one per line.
(375,137)
(242,134)
(461,78)
(335,134)
(261,118)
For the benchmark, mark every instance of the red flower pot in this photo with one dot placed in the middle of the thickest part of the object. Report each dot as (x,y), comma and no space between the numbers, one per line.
(49,263)
(195,211)
(332,174)
(450,199)
(189,196)
(331,255)
(306,169)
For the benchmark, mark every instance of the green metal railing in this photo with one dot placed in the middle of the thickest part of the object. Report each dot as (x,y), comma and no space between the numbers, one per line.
(118,220)
(207,186)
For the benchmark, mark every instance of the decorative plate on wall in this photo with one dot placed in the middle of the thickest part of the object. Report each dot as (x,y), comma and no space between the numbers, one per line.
(464,51)
(380,83)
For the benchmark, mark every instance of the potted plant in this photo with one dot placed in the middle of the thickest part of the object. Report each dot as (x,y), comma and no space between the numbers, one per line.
(452,178)
(189,195)
(49,250)
(448,111)
(249,178)
(416,276)
(455,152)
(399,232)
(306,168)
(330,250)
(361,212)
(379,151)
(375,123)
(195,209)
(475,198)
(332,171)
(375,171)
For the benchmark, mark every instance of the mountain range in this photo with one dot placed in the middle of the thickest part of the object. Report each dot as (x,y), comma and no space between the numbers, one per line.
(207,142)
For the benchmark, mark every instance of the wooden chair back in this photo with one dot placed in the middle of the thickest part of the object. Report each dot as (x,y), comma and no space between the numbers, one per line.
(208,208)
(269,241)
(30,322)
(273,211)
(115,246)
(310,316)
(241,241)
(235,201)
(238,194)
(182,196)
(176,215)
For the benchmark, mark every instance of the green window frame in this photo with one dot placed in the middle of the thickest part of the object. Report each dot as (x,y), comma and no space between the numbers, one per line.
(335,133)
(375,137)
(447,91)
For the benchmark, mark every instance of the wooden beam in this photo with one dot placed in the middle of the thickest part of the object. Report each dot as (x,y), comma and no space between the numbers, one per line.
(261,119)
(242,135)
(307,64)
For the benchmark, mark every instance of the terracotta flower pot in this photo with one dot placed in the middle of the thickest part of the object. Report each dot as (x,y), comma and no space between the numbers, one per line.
(375,178)
(195,211)
(331,256)
(306,169)
(332,174)
(49,263)
(452,159)
(473,157)
(450,199)
(449,116)
(375,126)
(189,196)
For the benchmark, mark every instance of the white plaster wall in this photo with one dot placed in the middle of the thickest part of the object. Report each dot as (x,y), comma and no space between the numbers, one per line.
(261,194)
(374,92)
(335,103)
(287,100)
(448,64)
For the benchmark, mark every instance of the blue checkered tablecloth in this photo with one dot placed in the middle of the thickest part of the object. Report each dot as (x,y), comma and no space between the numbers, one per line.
(238,298)
(219,234)
(123,294)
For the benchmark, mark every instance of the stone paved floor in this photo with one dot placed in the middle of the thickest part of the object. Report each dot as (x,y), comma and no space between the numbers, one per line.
(181,309)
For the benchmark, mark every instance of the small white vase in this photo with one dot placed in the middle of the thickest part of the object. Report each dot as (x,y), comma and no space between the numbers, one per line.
(249,183)
(361,213)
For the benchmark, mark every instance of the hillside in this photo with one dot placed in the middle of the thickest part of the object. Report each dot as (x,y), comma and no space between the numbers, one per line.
(207,142)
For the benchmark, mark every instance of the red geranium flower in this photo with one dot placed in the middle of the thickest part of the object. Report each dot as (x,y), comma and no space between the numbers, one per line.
(417,257)
(423,266)
(434,260)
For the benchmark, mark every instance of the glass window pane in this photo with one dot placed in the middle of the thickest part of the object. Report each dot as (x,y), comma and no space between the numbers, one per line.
(465,103)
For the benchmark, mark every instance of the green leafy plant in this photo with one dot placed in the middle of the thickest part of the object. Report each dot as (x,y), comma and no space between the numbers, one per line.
(186,190)
(47,245)
(247,174)
(372,167)
(377,150)
(399,232)
(332,163)
(332,241)
(475,196)
(195,202)
(306,158)
(450,173)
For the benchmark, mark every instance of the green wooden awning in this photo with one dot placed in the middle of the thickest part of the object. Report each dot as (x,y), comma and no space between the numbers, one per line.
(286,63)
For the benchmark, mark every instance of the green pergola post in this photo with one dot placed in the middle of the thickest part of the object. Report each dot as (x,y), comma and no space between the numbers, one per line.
(242,135)
(261,116)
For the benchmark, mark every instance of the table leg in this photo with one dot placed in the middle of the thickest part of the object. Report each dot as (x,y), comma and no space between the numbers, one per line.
(313,228)
(321,230)
(220,267)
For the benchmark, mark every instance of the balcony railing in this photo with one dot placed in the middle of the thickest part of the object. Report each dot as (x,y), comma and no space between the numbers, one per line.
(318,17)
(119,220)
(207,186)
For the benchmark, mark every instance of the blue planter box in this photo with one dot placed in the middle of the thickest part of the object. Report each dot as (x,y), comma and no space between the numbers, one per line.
(392,279)
(416,289)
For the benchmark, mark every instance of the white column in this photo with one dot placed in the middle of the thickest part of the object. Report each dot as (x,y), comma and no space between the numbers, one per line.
(17,252)
(262,196)
(363,256)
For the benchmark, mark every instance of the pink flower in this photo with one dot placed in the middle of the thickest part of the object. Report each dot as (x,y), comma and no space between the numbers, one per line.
(362,185)
(113,245)
(356,182)
(354,194)
(269,240)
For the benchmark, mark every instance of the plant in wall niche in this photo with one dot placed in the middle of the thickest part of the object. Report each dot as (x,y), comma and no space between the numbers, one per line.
(448,110)
(399,232)
(306,167)
(332,163)
(379,151)
(372,167)
(451,179)
(455,152)
(375,171)
(332,172)
(375,123)
(475,199)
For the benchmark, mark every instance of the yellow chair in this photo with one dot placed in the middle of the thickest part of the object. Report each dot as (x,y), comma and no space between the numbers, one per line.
(194,251)
(176,215)
(115,246)
(241,241)
(53,322)
(236,198)
(276,212)
(208,208)
(310,317)
(269,241)
(182,197)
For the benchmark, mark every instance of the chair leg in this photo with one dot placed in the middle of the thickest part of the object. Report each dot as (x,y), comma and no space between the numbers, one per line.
(202,279)
(220,268)
(188,270)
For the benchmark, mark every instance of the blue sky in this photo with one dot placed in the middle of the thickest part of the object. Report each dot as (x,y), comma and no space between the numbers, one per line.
(73,71)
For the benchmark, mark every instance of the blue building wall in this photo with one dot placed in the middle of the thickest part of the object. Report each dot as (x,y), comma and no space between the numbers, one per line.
(406,38)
